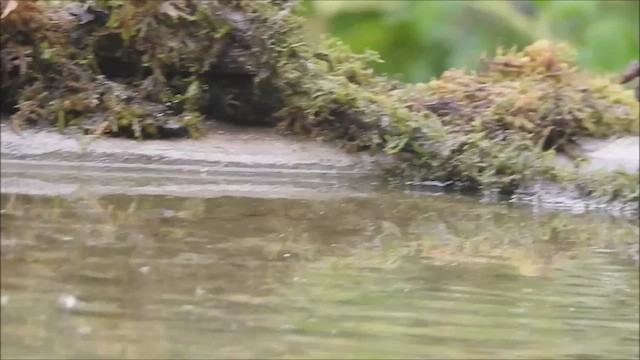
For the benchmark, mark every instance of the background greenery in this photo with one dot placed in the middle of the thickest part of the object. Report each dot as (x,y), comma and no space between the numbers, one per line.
(419,39)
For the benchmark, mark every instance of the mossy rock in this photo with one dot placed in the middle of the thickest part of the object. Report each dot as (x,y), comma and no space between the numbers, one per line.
(247,62)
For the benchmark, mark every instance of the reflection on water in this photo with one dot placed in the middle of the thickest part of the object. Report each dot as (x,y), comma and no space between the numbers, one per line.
(388,277)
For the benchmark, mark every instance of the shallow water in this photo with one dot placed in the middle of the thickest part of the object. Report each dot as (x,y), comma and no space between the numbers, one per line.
(393,276)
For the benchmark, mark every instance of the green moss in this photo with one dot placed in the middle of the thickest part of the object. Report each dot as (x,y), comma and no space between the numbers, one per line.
(498,129)
(152,63)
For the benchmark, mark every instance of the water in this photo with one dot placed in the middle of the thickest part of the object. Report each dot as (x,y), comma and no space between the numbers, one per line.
(393,276)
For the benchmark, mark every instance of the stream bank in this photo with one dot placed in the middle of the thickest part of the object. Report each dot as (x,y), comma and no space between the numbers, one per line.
(244,162)
(107,68)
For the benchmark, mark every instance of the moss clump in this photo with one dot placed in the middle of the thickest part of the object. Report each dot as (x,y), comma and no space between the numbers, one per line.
(497,129)
(504,125)
(145,67)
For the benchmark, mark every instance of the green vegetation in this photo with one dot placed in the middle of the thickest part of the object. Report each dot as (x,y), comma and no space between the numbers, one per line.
(137,67)
(421,39)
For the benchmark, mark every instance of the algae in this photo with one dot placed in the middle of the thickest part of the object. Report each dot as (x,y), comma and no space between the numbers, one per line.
(160,68)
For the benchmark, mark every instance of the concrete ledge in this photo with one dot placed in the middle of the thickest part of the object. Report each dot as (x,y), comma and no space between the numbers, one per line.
(622,154)
(255,163)
(241,148)
(615,154)
(236,162)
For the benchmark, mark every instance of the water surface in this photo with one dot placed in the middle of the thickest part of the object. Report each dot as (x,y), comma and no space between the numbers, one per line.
(393,276)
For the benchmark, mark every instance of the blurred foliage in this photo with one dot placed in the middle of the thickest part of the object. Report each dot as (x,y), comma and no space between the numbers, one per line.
(421,39)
